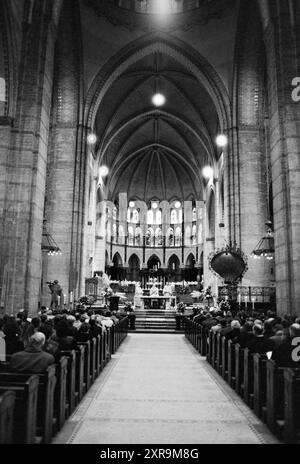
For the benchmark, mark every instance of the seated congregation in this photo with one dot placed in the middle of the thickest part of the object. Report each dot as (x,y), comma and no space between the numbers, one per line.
(257,353)
(50,363)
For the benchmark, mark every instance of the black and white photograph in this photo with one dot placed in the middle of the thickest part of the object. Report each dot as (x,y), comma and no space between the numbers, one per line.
(150,226)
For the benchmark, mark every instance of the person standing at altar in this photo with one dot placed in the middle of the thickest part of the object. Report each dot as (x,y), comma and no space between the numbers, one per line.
(154,290)
(154,293)
(138,302)
(167,292)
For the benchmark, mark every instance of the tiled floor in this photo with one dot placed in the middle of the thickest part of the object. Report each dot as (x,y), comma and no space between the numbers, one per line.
(157,389)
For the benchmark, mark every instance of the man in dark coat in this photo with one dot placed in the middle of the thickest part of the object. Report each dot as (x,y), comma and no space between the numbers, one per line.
(260,344)
(33,359)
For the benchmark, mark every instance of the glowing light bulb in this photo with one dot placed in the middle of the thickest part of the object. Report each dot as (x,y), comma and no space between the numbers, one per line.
(103,171)
(131,204)
(207,172)
(158,99)
(222,140)
(177,204)
(91,139)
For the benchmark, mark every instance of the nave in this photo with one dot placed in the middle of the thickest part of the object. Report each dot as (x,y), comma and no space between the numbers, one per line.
(158,389)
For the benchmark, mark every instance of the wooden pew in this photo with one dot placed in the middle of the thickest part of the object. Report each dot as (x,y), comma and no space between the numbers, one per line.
(291,433)
(224,349)
(93,356)
(113,339)
(219,359)
(198,337)
(72,397)
(239,369)
(231,377)
(248,386)
(213,341)
(87,363)
(80,384)
(7,405)
(108,353)
(25,411)
(61,407)
(274,394)
(204,337)
(259,383)
(209,352)
(98,356)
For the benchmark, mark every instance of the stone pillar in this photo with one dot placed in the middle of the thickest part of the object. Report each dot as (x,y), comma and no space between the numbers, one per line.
(281,35)
(63,201)
(253,201)
(26,169)
(250,190)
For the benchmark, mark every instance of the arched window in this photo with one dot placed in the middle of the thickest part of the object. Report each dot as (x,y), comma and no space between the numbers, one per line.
(128,215)
(114,233)
(194,215)
(178,236)
(108,232)
(135,216)
(200,234)
(150,237)
(179,216)
(130,235)
(173,217)
(194,235)
(158,217)
(170,237)
(115,214)
(138,236)
(158,237)
(150,216)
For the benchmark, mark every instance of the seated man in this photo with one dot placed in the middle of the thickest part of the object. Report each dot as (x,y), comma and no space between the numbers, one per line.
(260,344)
(33,359)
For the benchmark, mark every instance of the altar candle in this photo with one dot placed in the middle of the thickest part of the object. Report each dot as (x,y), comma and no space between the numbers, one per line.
(239,300)
(246,298)
(253,300)
(71,297)
(58,300)
(65,299)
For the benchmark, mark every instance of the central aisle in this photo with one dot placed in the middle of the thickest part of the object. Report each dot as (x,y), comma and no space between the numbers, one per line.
(157,389)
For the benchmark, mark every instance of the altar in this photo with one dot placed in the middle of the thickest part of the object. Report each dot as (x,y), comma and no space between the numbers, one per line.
(157,300)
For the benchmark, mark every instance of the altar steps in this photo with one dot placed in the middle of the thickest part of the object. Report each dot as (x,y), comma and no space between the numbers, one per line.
(155,321)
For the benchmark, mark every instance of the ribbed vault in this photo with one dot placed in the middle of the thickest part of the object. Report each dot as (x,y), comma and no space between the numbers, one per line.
(156,152)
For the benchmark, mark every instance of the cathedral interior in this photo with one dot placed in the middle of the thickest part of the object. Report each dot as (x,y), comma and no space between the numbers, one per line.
(145,139)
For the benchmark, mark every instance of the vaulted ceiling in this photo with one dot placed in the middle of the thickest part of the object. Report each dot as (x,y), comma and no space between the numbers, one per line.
(156,152)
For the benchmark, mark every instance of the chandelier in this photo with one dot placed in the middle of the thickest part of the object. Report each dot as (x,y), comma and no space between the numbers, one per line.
(265,247)
(49,245)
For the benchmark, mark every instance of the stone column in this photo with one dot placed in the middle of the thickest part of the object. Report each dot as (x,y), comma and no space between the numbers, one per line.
(63,200)
(281,35)
(26,168)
